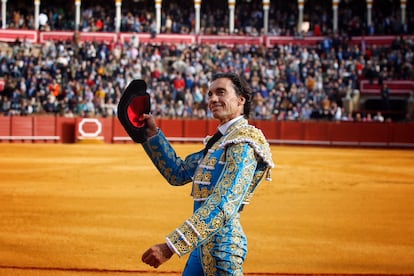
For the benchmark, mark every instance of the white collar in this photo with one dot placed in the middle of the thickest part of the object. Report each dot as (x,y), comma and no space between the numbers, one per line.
(223,128)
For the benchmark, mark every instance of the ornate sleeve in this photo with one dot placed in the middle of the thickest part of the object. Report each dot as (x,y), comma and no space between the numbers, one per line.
(221,205)
(174,169)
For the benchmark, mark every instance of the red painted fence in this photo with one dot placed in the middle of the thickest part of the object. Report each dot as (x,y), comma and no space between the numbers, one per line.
(11,35)
(50,129)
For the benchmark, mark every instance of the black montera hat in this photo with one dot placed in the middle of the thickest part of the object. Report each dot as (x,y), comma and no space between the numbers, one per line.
(134,102)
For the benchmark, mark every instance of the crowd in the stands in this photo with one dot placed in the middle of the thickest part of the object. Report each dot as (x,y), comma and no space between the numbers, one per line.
(289,82)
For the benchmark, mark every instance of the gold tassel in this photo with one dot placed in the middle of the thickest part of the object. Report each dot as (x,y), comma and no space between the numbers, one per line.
(268,175)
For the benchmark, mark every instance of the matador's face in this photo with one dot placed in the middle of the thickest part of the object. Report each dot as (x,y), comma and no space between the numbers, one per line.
(223,101)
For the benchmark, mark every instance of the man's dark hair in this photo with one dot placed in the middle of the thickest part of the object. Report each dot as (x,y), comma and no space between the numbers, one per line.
(242,88)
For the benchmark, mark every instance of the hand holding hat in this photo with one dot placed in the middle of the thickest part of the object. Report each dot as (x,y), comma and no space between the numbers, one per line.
(134,103)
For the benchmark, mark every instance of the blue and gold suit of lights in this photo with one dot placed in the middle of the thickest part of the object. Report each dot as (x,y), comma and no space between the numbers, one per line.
(223,182)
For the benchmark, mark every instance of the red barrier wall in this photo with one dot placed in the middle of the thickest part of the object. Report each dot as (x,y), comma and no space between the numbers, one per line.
(52,129)
(316,133)
(344,133)
(4,127)
(291,131)
(45,127)
(28,129)
(195,129)
(402,134)
(21,127)
(65,130)
(119,133)
(172,128)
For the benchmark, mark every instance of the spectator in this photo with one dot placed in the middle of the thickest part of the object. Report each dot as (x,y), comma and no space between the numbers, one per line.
(54,88)
(5,105)
(378,117)
(385,96)
(43,21)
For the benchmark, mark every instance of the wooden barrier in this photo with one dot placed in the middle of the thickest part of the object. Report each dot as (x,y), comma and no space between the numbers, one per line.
(194,130)
(344,134)
(65,129)
(316,133)
(28,129)
(5,123)
(402,135)
(374,134)
(172,128)
(46,129)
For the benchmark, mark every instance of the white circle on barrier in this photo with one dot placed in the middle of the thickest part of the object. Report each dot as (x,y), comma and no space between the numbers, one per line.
(90,134)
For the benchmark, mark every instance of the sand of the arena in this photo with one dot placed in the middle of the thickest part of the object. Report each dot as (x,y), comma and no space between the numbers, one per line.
(86,209)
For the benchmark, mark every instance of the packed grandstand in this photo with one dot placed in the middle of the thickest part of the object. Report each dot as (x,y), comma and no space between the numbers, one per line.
(332,77)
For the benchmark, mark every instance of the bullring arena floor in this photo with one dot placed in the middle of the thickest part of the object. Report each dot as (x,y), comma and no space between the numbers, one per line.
(92,209)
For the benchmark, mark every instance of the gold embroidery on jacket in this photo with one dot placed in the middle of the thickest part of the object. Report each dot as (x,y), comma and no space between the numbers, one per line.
(246,157)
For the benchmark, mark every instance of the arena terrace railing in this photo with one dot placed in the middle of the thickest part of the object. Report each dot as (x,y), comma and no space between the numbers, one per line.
(12,35)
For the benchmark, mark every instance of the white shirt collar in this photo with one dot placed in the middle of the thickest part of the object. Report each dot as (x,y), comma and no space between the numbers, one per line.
(223,128)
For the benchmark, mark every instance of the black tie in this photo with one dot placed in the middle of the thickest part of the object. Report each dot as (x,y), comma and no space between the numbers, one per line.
(211,142)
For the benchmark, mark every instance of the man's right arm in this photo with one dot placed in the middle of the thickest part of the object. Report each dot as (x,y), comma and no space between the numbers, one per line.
(174,169)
